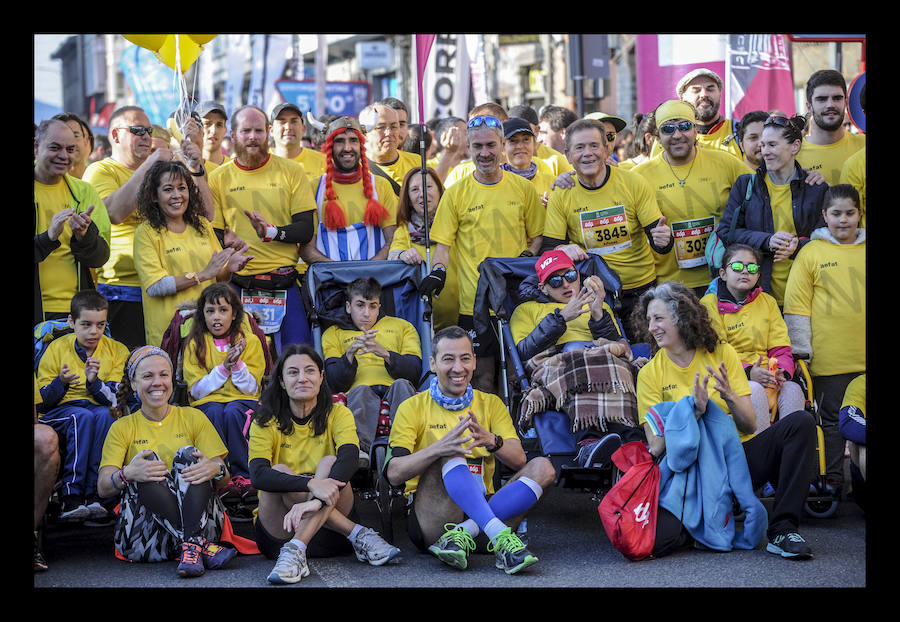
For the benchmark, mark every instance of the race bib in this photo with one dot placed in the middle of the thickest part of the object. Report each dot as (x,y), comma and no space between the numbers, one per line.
(605,231)
(271,305)
(476,468)
(690,240)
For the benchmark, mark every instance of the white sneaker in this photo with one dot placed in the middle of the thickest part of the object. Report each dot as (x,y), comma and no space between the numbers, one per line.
(372,548)
(80,513)
(291,565)
(97,511)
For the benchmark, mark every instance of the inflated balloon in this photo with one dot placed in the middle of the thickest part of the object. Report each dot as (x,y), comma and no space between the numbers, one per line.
(202,39)
(184,54)
(150,42)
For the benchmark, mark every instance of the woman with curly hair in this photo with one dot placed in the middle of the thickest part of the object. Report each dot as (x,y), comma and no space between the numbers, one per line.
(687,353)
(176,252)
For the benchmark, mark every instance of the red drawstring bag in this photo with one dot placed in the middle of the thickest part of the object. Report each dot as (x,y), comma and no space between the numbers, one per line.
(628,510)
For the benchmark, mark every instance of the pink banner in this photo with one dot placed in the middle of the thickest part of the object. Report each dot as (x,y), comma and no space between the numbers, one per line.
(662,60)
(423,48)
(759,75)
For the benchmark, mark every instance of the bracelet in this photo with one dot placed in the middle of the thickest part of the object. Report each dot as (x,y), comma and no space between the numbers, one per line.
(201,173)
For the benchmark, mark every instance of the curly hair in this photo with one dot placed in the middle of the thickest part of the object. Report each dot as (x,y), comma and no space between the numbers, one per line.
(404,206)
(213,294)
(691,318)
(148,201)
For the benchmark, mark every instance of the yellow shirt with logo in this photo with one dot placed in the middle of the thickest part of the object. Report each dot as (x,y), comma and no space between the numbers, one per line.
(609,221)
(829,159)
(301,451)
(61,351)
(486,220)
(780,199)
(661,380)
(57,273)
(130,435)
(278,189)
(161,253)
(252,356)
(754,330)
(692,211)
(420,422)
(854,173)
(398,169)
(529,314)
(828,285)
(394,335)
(107,176)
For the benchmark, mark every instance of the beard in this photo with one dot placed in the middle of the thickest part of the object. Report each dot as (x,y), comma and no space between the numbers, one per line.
(707,115)
(819,119)
(349,168)
(251,159)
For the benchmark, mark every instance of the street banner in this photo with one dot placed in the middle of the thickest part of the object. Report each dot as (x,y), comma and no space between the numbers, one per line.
(758,69)
(662,60)
(152,83)
(422,46)
(477,69)
(446,80)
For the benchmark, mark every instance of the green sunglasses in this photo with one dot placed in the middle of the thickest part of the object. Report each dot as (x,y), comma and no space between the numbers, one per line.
(738,266)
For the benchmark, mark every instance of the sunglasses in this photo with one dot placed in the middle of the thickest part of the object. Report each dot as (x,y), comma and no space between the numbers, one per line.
(484,120)
(555,281)
(738,266)
(779,121)
(610,137)
(137,130)
(669,128)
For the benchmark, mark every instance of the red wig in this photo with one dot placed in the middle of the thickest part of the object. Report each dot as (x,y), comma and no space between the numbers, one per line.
(334,217)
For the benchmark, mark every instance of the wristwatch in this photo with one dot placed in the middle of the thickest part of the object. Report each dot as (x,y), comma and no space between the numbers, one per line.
(201,173)
(498,443)
(221,472)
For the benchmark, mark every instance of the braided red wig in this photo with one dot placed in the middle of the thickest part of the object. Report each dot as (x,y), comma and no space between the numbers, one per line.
(334,217)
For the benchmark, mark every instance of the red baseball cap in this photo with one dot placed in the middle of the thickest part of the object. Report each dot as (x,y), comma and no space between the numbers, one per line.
(550,262)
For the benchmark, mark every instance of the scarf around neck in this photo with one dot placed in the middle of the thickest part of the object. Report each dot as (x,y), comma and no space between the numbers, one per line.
(527,173)
(450,403)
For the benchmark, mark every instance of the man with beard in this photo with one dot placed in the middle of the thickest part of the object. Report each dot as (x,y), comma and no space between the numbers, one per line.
(828,144)
(692,187)
(383,142)
(357,210)
(702,89)
(266,201)
(749,134)
(287,132)
(117,180)
(489,213)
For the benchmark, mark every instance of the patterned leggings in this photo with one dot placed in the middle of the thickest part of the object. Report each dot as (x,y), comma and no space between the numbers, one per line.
(156,517)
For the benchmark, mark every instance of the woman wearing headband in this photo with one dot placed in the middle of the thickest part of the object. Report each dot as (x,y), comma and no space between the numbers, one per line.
(164,461)
(781,210)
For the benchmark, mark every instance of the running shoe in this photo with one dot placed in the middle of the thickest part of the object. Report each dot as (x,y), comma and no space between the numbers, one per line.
(40,564)
(454,546)
(216,556)
(512,556)
(790,545)
(291,565)
(97,511)
(191,562)
(372,548)
(74,513)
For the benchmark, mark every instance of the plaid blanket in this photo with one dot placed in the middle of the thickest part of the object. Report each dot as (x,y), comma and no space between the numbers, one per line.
(590,385)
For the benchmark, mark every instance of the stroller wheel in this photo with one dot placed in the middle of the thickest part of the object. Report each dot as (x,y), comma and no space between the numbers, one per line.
(821,507)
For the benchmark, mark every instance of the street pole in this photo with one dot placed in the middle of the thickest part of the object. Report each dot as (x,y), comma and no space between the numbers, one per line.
(575,57)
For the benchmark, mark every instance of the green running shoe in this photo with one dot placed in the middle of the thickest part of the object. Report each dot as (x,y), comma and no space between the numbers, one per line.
(512,556)
(454,546)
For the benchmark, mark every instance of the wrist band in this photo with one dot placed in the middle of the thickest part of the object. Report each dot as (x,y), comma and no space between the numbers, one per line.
(271,232)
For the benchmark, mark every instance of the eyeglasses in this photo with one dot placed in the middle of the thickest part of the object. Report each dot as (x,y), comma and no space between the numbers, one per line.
(669,128)
(738,266)
(555,281)
(137,130)
(610,137)
(779,121)
(484,120)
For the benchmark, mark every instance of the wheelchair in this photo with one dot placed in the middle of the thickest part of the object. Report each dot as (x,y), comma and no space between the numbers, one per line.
(550,433)
(323,296)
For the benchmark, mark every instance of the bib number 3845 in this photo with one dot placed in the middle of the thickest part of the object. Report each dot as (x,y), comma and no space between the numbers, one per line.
(605,231)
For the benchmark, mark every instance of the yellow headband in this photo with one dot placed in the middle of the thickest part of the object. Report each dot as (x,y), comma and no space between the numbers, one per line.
(674,109)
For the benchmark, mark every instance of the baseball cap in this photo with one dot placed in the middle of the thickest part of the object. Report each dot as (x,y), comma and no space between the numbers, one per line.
(210,106)
(279,108)
(550,262)
(696,73)
(516,125)
(617,122)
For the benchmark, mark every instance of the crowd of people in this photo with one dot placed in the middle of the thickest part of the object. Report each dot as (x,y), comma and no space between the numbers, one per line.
(173,239)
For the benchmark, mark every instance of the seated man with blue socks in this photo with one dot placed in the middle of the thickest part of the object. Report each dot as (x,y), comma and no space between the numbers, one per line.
(444,446)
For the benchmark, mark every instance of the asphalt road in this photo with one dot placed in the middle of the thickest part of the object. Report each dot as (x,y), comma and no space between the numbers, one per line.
(564,531)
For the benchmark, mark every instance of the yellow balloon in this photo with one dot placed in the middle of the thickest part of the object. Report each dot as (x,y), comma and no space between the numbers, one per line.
(150,42)
(187,50)
(202,39)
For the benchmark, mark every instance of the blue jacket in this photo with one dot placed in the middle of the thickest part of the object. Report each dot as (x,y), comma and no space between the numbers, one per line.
(756,223)
(703,466)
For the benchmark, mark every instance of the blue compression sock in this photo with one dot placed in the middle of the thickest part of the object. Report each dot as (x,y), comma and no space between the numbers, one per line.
(515,498)
(465,492)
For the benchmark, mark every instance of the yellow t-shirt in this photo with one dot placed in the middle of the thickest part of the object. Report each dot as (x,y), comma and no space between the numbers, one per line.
(394,334)
(828,285)
(301,451)
(753,330)
(554,159)
(420,423)
(278,189)
(692,210)
(61,351)
(107,176)
(313,162)
(482,220)
(854,173)
(252,357)
(353,201)
(57,273)
(780,199)
(661,380)
(163,253)
(446,305)
(855,394)
(529,314)
(132,434)
(830,159)
(609,221)
(405,161)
